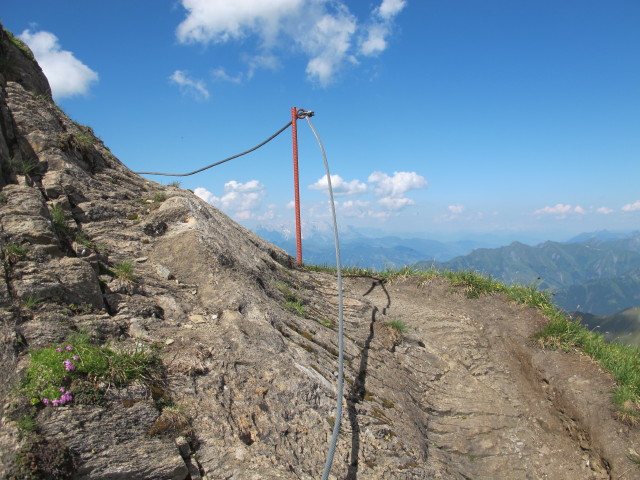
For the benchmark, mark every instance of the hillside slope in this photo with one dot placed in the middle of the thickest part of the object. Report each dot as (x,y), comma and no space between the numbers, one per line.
(247,342)
(599,277)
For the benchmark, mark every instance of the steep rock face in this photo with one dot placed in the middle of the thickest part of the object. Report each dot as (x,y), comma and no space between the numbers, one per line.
(248,342)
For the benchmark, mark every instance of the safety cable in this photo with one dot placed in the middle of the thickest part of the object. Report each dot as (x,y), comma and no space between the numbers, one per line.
(340,386)
(336,426)
(221,161)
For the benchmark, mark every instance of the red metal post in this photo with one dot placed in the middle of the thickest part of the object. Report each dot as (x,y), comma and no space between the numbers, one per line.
(296,183)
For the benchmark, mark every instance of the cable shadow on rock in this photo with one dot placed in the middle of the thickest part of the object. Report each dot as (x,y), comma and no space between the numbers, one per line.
(358,390)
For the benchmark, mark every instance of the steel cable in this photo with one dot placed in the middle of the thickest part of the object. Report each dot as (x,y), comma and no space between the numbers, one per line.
(221,161)
(336,426)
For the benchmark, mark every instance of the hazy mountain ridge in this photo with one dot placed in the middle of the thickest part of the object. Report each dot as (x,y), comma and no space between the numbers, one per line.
(357,249)
(600,275)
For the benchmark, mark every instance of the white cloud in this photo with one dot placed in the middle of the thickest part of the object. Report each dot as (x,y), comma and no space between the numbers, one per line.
(454,213)
(324,31)
(240,199)
(221,74)
(375,41)
(560,211)
(456,209)
(392,189)
(328,43)
(397,185)
(390,8)
(67,75)
(196,88)
(395,203)
(220,21)
(380,27)
(631,207)
(339,185)
(604,210)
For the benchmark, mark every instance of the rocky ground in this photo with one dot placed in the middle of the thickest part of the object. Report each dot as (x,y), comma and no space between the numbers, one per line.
(248,342)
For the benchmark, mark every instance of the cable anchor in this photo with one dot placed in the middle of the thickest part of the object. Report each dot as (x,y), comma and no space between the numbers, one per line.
(302,113)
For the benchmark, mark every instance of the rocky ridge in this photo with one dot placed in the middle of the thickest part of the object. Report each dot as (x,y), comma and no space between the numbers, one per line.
(464,393)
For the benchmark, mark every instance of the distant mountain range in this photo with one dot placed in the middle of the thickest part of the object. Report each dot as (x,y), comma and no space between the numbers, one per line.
(597,273)
(359,250)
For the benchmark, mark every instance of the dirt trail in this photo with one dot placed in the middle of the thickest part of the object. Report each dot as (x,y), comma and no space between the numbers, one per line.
(496,404)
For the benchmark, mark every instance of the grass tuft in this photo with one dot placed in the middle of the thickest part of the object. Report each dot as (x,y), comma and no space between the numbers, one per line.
(398,325)
(15,252)
(57,372)
(31,301)
(125,271)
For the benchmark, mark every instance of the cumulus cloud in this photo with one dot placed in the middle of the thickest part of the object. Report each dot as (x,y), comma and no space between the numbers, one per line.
(339,185)
(68,76)
(240,199)
(398,184)
(456,209)
(190,86)
(560,211)
(374,40)
(604,210)
(325,31)
(631,207)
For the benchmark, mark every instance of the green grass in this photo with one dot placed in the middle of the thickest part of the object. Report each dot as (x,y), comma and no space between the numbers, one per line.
(176,184)
(622,361)
(49,374)
(25,166)
(125,271)
(84,139)
(58,219)
(296,307)
(20,44)
(159,197)
(83,239)
(398,325)
(15,252)
(30,302)
(293,302)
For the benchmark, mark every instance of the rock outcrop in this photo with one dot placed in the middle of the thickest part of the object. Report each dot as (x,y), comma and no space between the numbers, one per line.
(248,343)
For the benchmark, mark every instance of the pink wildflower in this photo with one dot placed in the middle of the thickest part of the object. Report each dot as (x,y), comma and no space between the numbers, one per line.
(45,401)
(69,348)
(68,366)
(62,389)
(59,349)
(56,403)
(76,357)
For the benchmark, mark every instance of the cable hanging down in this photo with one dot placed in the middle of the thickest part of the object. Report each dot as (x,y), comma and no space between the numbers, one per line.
(340,386)
(221,161)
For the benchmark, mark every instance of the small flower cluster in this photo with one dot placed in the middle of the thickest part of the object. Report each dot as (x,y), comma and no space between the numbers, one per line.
(68,366)
(64,398)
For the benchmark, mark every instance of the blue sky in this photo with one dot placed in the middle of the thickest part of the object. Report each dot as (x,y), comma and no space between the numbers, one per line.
(439,118)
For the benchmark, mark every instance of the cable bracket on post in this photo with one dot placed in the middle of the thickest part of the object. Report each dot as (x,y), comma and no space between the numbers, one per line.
(305,113)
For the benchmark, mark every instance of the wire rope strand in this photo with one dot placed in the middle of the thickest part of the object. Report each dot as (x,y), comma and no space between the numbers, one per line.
(221,161)
(336,427)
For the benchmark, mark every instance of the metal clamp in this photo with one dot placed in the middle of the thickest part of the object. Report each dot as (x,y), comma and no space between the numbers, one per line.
(305,113)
